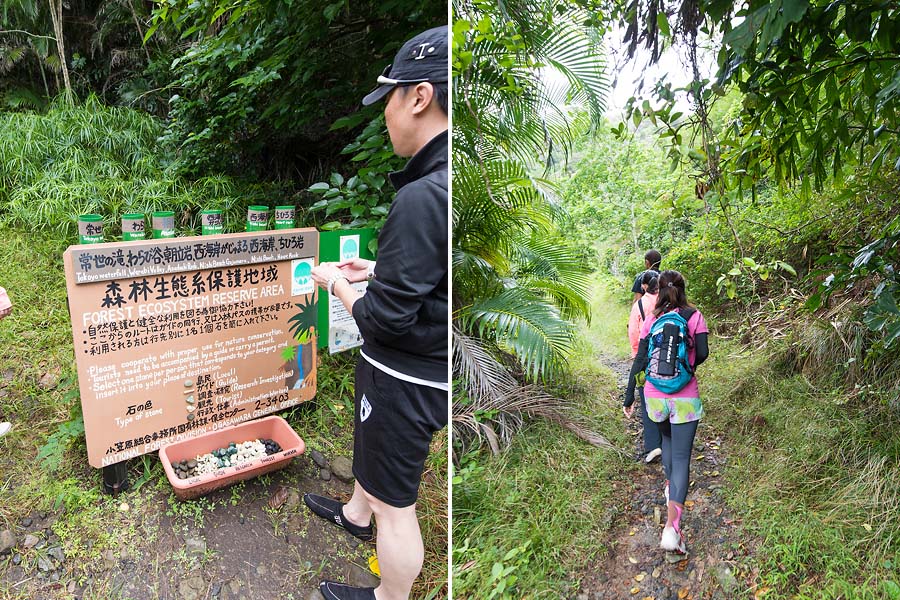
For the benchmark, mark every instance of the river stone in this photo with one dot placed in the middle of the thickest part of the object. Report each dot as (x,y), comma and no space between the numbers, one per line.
(361,577)
(26,522)
(44,564)
(7,541)
(293,499)
(31,541)
(232,591)
(48,381)
(192,588)
(109,559)
(726,579)
(318,458)
(57,553)
(195,546)
(325,474)
(17,559)
(674,557)
(342,468)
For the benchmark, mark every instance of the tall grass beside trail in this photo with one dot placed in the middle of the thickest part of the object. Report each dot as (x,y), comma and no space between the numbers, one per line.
(92,158)
(814,470)
(610,306)
(527,519)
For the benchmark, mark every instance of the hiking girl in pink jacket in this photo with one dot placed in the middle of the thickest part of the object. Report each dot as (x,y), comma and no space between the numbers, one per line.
(680,345)
(642,308)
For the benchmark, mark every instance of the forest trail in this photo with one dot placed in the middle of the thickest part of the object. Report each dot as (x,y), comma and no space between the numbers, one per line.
(635,567)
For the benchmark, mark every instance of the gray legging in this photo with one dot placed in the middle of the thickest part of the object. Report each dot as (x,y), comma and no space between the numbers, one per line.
(677,443)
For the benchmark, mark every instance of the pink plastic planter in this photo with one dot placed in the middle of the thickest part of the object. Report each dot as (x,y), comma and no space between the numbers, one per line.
(273,428)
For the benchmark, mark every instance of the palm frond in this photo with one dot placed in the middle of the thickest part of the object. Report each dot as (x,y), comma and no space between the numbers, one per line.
(520,322)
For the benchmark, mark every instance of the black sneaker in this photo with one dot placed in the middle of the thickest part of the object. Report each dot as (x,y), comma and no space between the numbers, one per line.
(332,510)
(332,590)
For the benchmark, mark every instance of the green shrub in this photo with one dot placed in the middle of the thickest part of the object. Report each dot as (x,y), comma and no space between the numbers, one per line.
(93,158)
(813,470)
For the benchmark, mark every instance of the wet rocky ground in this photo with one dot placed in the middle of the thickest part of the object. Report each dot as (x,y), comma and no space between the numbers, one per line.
(255,540)
(635,567)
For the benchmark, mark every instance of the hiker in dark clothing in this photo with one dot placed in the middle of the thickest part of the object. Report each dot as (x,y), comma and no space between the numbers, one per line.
(651,263)
(402,387)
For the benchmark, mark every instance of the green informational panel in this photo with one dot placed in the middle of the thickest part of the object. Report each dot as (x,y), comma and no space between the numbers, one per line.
(335,246)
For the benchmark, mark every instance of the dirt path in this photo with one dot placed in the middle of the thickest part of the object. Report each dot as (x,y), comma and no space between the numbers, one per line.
(256,541)
(636,567)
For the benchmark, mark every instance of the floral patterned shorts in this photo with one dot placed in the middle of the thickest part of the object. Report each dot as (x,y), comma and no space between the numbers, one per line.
(675,410)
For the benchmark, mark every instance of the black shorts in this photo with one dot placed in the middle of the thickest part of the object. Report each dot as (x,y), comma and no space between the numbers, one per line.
(394,421)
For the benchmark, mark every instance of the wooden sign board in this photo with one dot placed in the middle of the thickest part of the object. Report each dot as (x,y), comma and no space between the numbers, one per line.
(177,337)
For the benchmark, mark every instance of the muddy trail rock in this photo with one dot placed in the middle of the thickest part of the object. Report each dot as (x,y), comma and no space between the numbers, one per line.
(635,567)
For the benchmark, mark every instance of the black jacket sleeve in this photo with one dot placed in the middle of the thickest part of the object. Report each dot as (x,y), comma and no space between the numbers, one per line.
(412,259)
(639,364)
(701,346)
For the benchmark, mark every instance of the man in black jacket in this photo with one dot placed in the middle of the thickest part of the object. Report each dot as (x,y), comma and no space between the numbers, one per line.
(402,387)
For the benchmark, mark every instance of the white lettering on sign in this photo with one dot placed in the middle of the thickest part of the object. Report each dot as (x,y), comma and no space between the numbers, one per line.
(107,316)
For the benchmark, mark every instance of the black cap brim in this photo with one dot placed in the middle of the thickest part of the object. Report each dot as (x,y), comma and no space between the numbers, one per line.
(377,94)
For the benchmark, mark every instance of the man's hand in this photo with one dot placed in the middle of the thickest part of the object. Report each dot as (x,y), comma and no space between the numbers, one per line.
(628,410)
(326,271)
(355,269)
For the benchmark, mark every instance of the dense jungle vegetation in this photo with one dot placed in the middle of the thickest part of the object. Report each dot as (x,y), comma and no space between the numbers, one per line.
(772,187)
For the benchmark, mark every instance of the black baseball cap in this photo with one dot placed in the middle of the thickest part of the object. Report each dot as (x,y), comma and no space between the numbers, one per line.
(421,59)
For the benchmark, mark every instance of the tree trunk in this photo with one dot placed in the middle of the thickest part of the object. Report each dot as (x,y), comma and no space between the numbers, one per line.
(137,23)
(634,232)
(56,15)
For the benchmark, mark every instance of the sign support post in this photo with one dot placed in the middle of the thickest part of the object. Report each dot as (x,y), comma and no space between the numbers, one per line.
(115,478)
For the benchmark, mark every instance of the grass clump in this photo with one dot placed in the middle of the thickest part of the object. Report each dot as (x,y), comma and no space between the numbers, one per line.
(815,472)
(544,494)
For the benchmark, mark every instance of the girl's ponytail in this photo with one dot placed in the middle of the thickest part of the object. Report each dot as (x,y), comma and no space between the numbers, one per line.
(671,293)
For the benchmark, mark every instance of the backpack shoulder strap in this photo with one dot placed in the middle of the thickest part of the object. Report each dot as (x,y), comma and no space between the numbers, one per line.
(686,314)
(641,309)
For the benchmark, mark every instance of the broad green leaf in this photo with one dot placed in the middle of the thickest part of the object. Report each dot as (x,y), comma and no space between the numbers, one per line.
(663,23)
(786,267)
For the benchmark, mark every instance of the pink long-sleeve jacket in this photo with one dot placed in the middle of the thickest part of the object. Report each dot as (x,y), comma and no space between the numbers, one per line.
(635,321)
